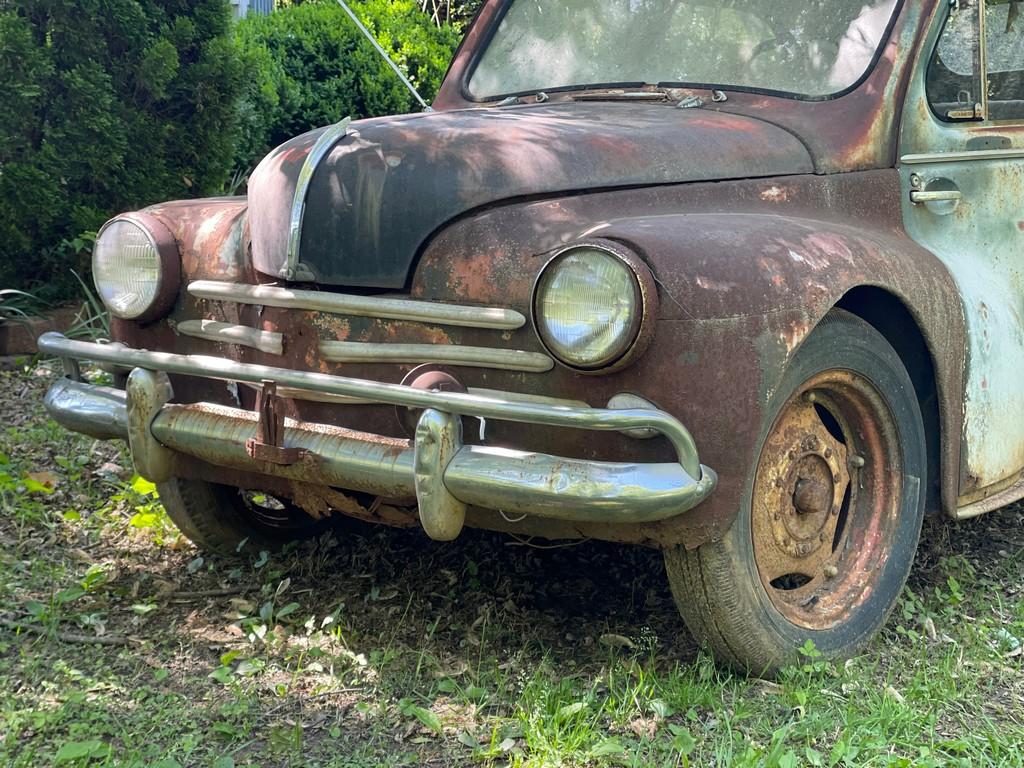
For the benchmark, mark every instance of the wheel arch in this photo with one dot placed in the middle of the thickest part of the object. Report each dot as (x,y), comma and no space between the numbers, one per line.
(891,316)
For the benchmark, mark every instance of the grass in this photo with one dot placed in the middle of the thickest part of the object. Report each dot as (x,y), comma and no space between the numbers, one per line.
(380,648)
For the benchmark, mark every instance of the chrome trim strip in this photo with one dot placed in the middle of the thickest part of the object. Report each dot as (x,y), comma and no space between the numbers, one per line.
(265,341)
(597,419)
(473,357)
(323,145)
(291,393)
(521,397)
(1001,498)
(361,306)
(965,155)
(491,478)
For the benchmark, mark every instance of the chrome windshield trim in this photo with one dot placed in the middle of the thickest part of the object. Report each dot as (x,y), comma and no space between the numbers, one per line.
(360,306)
(596,419)
(473,357)
(323,145)
(226,333)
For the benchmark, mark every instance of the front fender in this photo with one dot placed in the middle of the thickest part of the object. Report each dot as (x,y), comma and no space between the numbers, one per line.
(739,293)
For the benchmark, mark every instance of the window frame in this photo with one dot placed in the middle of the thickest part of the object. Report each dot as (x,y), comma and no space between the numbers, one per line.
(982,108)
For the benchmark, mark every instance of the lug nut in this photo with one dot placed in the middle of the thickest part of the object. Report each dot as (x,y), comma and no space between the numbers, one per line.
(831,571)
(811,397)
(857,461)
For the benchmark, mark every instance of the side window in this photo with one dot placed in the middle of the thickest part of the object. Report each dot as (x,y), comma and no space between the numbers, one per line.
(1004,36)
(954,81)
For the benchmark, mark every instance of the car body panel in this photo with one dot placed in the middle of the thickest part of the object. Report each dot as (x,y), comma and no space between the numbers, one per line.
(390,183)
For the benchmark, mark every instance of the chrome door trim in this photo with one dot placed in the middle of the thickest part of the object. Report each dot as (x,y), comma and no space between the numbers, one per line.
(962,156)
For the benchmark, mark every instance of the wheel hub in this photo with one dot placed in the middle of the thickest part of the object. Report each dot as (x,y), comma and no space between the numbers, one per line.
(807,503)
(803,477)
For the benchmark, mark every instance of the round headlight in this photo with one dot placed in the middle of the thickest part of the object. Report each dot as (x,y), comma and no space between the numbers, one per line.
(588,307)
(130,267)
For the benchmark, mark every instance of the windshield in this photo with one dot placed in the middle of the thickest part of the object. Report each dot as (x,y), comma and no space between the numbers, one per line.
(809,48)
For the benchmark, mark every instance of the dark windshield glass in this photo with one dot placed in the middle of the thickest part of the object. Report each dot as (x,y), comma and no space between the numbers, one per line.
(811,48)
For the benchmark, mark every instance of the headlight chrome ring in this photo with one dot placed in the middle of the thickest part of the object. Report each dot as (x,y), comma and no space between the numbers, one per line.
(594,303)
(136,267)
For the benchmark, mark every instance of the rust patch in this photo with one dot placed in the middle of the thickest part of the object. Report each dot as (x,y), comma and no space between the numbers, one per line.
(320,502)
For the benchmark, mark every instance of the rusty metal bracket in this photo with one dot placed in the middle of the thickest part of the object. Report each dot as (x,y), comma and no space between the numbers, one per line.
(268,445)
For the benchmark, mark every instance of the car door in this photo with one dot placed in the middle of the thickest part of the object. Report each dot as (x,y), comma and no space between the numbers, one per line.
(962,169)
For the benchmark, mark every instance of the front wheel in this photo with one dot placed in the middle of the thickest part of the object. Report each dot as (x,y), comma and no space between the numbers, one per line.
(222,519)
(826,535)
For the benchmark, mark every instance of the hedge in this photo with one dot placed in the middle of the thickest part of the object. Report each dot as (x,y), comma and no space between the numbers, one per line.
(111,105)
(308,65)
(108,105)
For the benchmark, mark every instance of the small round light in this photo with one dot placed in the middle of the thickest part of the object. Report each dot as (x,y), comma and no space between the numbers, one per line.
(127,269)
(588,308)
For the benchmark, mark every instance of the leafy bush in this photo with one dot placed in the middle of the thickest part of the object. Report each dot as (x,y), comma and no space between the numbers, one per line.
(107,105)
(308,65)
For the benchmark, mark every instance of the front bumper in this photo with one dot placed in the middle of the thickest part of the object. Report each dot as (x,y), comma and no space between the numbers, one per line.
(436,468)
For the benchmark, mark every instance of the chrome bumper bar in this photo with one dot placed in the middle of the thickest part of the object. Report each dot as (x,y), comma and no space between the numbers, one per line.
(435,467)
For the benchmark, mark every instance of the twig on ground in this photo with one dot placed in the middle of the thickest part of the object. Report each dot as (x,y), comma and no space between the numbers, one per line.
(185,596)
(67,637)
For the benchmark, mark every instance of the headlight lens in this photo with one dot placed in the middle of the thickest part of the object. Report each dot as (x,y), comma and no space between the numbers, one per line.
(127,269)
(588,307)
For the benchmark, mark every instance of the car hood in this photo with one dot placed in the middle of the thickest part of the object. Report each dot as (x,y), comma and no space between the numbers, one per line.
(391,183)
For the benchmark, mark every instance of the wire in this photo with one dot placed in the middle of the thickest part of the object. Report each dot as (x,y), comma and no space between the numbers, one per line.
(382,52)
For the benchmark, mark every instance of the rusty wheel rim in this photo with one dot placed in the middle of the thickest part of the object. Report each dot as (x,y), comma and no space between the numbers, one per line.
(826,499)
(270,512)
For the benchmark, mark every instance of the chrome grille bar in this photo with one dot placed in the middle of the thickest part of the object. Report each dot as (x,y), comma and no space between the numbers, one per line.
(473,357)
(360,306)
(225,333)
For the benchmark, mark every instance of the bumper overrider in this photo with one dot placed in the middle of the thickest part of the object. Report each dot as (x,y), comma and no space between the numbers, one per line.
(435,467)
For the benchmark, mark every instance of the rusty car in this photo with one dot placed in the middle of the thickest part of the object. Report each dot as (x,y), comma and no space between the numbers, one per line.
(741,281)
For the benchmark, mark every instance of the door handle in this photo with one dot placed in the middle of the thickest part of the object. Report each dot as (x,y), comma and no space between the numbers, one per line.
(918,196)
(940,196)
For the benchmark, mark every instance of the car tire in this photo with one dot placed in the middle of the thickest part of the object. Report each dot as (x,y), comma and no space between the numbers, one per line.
(825,537)
(226,520)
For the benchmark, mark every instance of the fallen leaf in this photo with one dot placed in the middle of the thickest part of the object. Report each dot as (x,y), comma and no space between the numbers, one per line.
(894,694)
(243,606)
(469,740)
(41,482)
(49,479)
(616,641)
